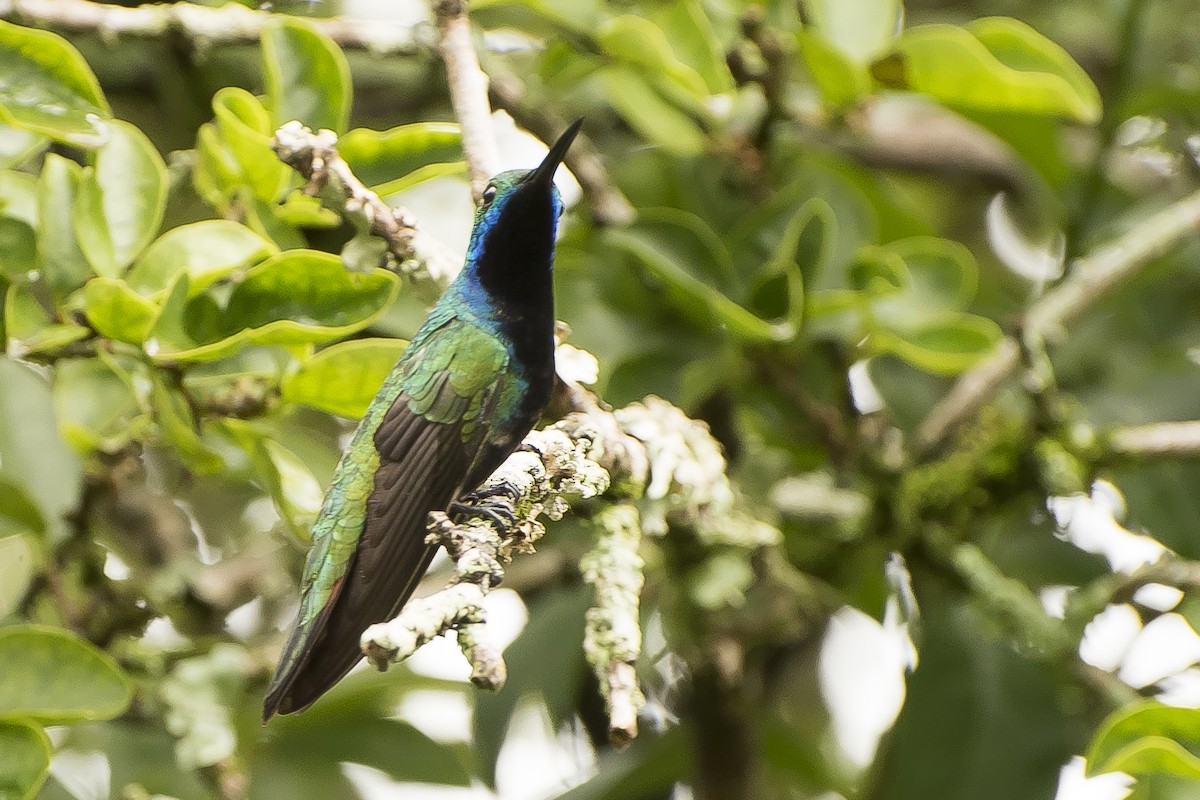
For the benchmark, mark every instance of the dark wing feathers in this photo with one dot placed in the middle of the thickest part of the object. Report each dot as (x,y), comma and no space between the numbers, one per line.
(425,459)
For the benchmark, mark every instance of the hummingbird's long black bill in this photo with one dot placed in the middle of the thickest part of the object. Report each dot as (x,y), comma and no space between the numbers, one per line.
(544,174)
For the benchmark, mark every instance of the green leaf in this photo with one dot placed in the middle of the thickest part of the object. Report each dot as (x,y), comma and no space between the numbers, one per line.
(694,41)
(648,112)
(295,297)
(54,677)
(1005,67)
(944,345)
(1017,45)
(840,80)
(18,146)
(62,262)
(18,243)
(639,42)
(30,327)
(32,454)
(18,512)
(207,251)
(306,75)
(238,151)
(288,480)
(343,378)
(996,719)
(380,156)
(24,760)
(121,199)
(94,404)
(648,768)
(48,88)
(860,29)
(692,296)
(117,311)
(18,197)
(16,571)
(1148,738)
(178,427)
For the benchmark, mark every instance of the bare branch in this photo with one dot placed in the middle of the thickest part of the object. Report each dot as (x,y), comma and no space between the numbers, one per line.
(468,92)
(230,23)
(1091,278)
(1162,438)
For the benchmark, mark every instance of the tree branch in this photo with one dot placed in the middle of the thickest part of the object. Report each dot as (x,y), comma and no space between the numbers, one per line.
(468,92)
(612,638)
(230,23)
(315,156)
(1160,438)
(1092,277)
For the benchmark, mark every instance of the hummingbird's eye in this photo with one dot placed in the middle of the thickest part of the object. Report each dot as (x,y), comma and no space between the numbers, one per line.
(489,194)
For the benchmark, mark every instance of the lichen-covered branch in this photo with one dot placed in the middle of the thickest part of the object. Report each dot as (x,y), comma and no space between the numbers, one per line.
(230,23)
(612,638)
(1092,278)
(468,92)
(554,464)
(315,156)
(655,463)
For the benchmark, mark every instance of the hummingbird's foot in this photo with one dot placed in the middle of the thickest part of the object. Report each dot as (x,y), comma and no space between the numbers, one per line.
(501,488)
(498,513)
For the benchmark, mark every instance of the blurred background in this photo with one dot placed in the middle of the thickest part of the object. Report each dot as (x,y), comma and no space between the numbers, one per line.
(802,222)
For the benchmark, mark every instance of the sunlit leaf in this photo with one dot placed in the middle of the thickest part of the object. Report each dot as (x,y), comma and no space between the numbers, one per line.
(242,152)
(858,28)
(17,566)
(306,75)
(32,454)
(48,88)
(207,250)
(118,312)
(296,297)
(17,146)
(343,378)
(1148,738)
(841,80)
(382,156)
(24,760)
(944,345)
(61,260)
(53,677)
(1003,66)
(648,112)
(121,199)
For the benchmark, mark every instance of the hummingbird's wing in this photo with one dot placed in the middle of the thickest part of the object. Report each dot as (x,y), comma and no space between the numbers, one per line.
(422,438)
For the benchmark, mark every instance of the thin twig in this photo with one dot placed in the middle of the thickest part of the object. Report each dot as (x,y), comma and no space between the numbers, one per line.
(315,156)
(1091,279)
(468,92)
(230,23)
(1161,438)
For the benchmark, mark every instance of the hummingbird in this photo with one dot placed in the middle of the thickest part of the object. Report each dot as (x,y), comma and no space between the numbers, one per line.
(471,383)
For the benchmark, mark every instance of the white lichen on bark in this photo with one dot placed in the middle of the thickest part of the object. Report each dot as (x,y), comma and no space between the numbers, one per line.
(612,636)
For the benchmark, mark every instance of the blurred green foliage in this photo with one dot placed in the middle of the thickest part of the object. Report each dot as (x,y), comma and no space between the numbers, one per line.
(186,336)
